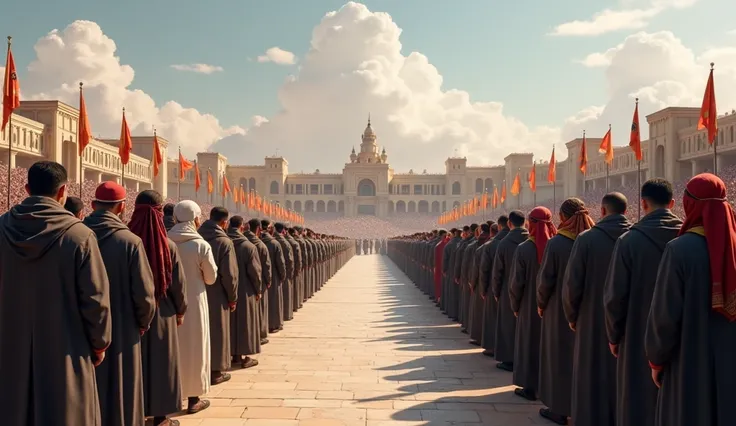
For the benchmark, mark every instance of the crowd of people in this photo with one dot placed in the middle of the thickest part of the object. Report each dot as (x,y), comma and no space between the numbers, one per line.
(112,315)
(605,321)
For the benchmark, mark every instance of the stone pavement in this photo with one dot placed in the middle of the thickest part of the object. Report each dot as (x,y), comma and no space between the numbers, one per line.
(371,350)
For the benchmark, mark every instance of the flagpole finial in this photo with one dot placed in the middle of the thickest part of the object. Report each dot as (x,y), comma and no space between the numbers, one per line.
(609,126)
(123,110)
(637,101)
(80,85)
(712,64)
(10,40)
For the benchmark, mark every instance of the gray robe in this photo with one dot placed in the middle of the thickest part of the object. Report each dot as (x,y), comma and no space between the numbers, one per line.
(695,346)
(626,299)
(69,315)
(245,322)
(265,279)
(220,294)
(464,286)
(448,259)
(490,308)
(120,376)
(288,285)
(523,298)
(297,285)
(160,346)
(475,300)
(278,275)
(557,341)
(506,321)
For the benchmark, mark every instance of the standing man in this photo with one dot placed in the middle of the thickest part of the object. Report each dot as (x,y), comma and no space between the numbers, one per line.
(53,382)
(75,206)
(251,233)
(288,284)
(278,277)
(120,376)
(490,310)
(169,220)
(297,284)
(627,296)
(223,295)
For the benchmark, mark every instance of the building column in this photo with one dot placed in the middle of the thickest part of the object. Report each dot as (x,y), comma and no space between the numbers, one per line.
(12,159)
(98,177)
(693,167)
(719,163)
(623,180)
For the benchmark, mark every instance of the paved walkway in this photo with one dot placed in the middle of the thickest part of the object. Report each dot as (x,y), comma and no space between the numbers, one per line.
(371,350)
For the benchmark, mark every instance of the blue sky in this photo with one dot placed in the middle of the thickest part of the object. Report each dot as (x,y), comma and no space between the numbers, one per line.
(496,51)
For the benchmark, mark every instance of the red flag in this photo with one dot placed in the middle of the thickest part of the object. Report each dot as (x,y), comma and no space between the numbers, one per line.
(583,160)
(210,183)
(225,186)
(197,177)
(503,192)
(11,90)
(84,132)
(184,166)
(552,171)
(708,113)
(635,138)
(607,147)
(126,143)
(516,185)
(157,157)
(533,178)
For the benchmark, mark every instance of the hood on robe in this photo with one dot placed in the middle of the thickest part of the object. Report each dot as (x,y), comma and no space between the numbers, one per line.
(183,232)
(266,237)
(104,224)
(660,226)
(502,234)
(210,231)
(517,235)
(482,238)
(235,235)
(32,227)
(613,226)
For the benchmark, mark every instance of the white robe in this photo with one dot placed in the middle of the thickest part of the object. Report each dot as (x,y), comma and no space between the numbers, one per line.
(194,335)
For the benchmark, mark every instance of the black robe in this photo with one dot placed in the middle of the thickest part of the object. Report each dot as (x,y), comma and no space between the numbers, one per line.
(465,274)
(557,341)
(490,308)
(506,321)
(582,299)
(297,285)
(278,275)
(265,279)
(245,322)
(475,300)
(626,299)
(523,296)
(219,295)
(695,346)
(288,285)
(448,259)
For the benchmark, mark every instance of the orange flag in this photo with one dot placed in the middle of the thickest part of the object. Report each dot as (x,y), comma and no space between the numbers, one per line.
(236,197)
(210,183)
(184,166)
(251,200)
(11,89)
(552,171)
(484,200)
(225,186)
(494,200)
(157,158)
(197,177)
(635,138)
(126,143)
(503,192)
(83,126)
(242,196)
(708,113)
(533,178)
(607,146)
(516,185)
(583,160)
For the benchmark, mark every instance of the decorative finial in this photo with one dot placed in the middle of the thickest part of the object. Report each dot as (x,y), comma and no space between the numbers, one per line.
(80,85)
(711,64)
(10,40)
(609,126)
(369,119)
(123,110)
(637,101)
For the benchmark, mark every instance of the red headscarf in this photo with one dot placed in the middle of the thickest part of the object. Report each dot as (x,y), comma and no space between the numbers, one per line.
(541,229)
(706,205)
(147,222)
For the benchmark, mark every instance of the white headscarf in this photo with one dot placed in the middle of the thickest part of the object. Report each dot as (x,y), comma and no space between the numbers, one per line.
(185,212)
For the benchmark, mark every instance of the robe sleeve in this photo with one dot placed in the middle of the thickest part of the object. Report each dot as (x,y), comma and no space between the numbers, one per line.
(573,284)
(253,270)
(473,274)
(297,258)
(178,287)
(458,263)
(265,266)
(664,324)
(485,269)
(517,280)
(207,265)
(93,295)
(280,262)
(289,259)
(229,272)
(499,267)
(616,292)
(547,276)
(446,259)
(142,287)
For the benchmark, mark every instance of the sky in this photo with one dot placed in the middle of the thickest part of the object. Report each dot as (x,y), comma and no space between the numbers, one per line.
(298,78)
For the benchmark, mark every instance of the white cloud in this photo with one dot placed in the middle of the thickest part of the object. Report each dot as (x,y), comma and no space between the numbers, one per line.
(609,20)
(278,56)
(82,52)
(597,59)
(355,67)
(198,68)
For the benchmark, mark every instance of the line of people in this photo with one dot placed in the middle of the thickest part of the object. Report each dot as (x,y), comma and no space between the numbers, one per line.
(607,323)
(107,323)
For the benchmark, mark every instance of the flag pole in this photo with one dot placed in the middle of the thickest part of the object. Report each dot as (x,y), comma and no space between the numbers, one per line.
(715,137)
(554,183)
(178,179)
(9,133)
(518,196)
(638,162)
(608,165)
(81,173)
(122,166)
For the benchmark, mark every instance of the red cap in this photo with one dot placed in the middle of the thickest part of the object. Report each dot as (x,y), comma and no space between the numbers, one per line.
(110,192)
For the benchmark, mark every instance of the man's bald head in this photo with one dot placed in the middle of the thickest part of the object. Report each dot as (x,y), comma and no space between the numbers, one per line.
(614,203)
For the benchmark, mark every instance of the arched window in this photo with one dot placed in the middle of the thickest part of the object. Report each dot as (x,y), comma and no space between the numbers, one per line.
(331,207)
(309,206)
(252,184)
(423,207)
(366,188)
(412,207)
(297,206)
(320,206)
(288,204)
(341,206)
(274,188)
(488,185)
(435,207)
(456,188)
(478,186)
(400,207)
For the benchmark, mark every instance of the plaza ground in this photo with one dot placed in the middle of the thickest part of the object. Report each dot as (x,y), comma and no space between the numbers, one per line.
(368,350)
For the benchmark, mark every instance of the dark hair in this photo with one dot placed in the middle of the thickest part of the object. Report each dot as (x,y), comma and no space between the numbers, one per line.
(443,231)
(169,209)
(516,218)
(453,230)
(218,214)
(265,223)
(503,220)
(149,197)
(254,224)
(473,227)
(658,192)
(494,228)
(490,223)
(615,203)
(74,205)
(484,227)
(279,227)
(45,178)
(236,221)
(466,228)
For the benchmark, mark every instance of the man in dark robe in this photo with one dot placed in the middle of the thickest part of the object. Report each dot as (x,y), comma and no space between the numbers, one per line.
(298,267)
(582,300)
(465,273)
(288,284)
(169,220)
(500,277)
(439,256)
(75,206)
(523,297)
(222,296)
(628,293)
(448,259)
(49,353)
(306,262)
(457,272)
(690,337)
(278,277)
(120,376)
(558,341)
(474,303)
(366,246)
(160,345)
(251,233)
(245,322)
(490,308)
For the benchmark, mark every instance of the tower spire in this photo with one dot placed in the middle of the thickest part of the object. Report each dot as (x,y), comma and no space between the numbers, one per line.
(369,119)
